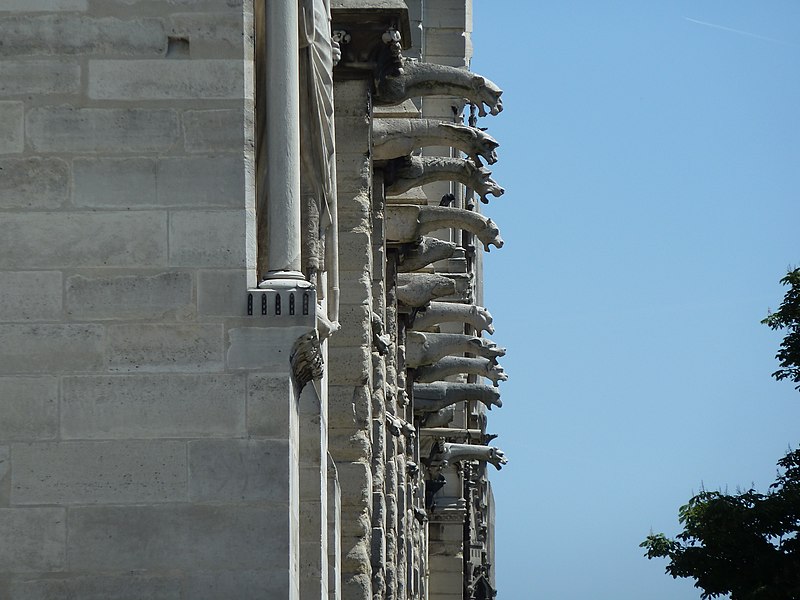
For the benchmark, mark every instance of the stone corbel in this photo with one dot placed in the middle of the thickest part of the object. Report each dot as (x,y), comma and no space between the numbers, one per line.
(448,452)
(450,312)
(429,79)
(407,223)
(456,365)
(407,172)
(306,359)
(430,397)
(415,290)
(427,348)
(393,138)
(428,250)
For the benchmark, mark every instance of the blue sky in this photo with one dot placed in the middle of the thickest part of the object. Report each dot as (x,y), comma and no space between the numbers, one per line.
(651,157)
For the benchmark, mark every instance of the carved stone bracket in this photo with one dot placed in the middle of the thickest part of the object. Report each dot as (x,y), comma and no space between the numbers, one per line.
(306,359)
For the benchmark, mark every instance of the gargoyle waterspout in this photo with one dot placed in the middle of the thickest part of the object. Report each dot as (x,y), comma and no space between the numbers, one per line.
(393,138)
(430,397)
(427,348)
(450,312)
(456,365)
(448,452)
(417,289)
(428,79)
(425,252)
(408,222)
(407,172)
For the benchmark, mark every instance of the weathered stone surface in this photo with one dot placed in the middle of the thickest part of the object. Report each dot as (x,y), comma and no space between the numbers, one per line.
(165,348)
(179,537)
(356,480)
(234,471)
(268,404)
(114,182)
(211,35)
(202,181)
(12,137)
(119,130)
(97,587)
(42,5)
(96,297)
(166,80)
(30,295)
(5,479)
(222,293)
(28,408)
(215,585)
(215,131)
(33,183)
(51,240)
(33,539)
(350,365)
(51,348)
(208,239)
(99,472)
(59,35)
(153,406)
(262,348)
(38,77)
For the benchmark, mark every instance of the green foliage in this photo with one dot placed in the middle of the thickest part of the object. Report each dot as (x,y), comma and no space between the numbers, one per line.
(788,317)
(745,545)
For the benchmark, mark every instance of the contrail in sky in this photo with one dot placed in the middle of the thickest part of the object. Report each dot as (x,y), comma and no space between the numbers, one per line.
(739,31)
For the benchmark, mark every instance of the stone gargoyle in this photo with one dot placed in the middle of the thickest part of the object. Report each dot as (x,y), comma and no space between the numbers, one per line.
(430,397)
(428,79)
(407,223)
(417,289)
(456,365)
(408,172)
(380,339)
(439,418)
(427,348)
(398,426)
(428,250)
(451,312)
(448,452)
(393,138)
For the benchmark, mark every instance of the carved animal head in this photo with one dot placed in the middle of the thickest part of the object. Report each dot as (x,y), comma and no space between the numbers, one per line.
(497,457)
(481,144)
(487,93)
(492,398)
(496,374)
(483,183)
(483,315)
(490,235)
(487,348)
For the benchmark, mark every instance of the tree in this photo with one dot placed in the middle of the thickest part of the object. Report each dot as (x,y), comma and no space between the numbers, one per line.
(788,317)
(746,545)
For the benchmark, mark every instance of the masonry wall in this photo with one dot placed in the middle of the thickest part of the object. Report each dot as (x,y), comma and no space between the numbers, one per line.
(148,426)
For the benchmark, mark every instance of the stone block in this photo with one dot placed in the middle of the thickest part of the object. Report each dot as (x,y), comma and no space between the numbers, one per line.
(77,34)
(129,586)
(130,471)
(205,538)
(344,444)
(12,136)
(118,130)
(222,293)
(166,80)
(355,252)
(33,539)
(38,77)
(30,295)
(123,183)
(33,183)
(349,366)
(211,35)
(221,585)
(269,400)
(42,5)
(356,329)
(448,42)
(356,480)
(209,239)
(239,471)
(48,348)
(52,240)
(202,181)
(153,406)
(5,479)
(221,130)
(28,408)
(145,347)
(111,296)
(262,348)
(355,287)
